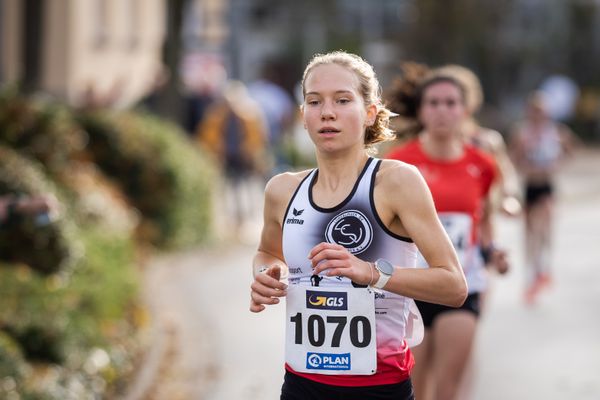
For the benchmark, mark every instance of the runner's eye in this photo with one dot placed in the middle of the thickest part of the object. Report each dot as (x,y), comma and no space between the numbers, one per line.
(450,103)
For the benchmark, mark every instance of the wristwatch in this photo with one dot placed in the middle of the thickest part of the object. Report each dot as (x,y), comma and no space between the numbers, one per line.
(386,269)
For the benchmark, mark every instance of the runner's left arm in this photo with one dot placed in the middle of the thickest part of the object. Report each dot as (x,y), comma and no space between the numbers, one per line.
(409,198)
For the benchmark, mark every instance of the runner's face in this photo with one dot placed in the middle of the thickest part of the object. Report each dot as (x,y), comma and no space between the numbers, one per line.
(536,112)
(442,109)
(334,112)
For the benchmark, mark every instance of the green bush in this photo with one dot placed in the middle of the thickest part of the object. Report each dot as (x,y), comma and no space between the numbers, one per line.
(66,287)
(46,248)
(47,132)
(60,321)
(40,130)
(12,365)
(92,379)
(162,173)
(69,288)
(152,161)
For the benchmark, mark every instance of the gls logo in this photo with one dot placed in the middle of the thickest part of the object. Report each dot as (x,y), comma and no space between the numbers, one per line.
(297,213)
(326,300)
(350,229)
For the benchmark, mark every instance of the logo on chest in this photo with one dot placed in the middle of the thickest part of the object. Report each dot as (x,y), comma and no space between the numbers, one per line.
(296,219)
(350,229)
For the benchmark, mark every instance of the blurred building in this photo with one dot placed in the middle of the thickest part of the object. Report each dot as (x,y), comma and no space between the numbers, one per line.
(295,31)
(110,49)
(115,47)
(71,47)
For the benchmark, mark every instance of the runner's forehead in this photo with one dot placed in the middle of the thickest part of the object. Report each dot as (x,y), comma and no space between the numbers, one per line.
(331,79)
(442,90)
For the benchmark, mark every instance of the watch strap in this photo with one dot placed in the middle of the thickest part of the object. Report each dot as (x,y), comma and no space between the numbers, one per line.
(382,281)
(384,277)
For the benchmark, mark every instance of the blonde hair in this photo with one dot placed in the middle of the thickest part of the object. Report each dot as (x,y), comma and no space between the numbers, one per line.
(369,89)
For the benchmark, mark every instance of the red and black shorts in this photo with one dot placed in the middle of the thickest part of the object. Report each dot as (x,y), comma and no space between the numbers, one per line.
(534,192)
(299,388)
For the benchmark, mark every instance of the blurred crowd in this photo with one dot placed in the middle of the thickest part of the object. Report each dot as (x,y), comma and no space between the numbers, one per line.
(254,131)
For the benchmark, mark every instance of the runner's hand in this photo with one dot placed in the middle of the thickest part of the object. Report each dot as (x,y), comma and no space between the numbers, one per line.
(266,289)
(338,261)
(499,260)
(511,206)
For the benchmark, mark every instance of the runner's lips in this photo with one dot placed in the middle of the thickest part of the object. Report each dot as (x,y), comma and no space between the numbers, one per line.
(329,129)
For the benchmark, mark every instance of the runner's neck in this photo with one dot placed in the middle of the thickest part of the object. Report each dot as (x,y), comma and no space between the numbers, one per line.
(445,149)
(337,172)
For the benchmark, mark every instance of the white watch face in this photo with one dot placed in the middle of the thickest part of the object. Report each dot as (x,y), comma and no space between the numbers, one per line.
(385,267)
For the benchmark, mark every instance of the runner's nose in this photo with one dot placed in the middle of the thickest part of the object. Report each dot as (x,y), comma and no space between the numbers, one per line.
(327,112)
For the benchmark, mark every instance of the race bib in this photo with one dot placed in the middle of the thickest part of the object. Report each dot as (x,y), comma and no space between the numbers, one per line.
(458,226)
(331,330)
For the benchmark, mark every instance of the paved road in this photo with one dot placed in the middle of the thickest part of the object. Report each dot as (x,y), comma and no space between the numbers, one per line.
(550,351)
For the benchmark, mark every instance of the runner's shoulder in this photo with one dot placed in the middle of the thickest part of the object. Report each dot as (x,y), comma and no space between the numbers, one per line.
(492,139)
(281,187)
(394,175)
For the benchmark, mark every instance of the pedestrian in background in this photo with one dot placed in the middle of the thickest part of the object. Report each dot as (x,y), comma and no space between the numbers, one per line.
(539,145)
(278,110)
(234,132)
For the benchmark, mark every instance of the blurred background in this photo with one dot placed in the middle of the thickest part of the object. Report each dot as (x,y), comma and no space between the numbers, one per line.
(135,141)
(121,51)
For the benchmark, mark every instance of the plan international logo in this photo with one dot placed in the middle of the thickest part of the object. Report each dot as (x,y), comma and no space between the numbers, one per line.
(296,219)
(324,361)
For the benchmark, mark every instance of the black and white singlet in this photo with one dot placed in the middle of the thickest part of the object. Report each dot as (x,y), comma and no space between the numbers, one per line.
(354,224)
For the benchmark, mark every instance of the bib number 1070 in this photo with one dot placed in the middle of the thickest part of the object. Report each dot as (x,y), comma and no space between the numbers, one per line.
(360,330)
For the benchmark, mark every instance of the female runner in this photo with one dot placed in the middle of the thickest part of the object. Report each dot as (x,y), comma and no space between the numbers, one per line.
(346,234)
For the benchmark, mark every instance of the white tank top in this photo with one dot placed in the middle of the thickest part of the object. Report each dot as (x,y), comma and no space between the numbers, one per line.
(543,149)
(354,224)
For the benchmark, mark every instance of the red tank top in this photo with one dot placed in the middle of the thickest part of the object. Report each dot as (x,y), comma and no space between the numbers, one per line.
(459,185)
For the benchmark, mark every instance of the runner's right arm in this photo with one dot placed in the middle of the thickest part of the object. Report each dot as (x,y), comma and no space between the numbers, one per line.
(268,266)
